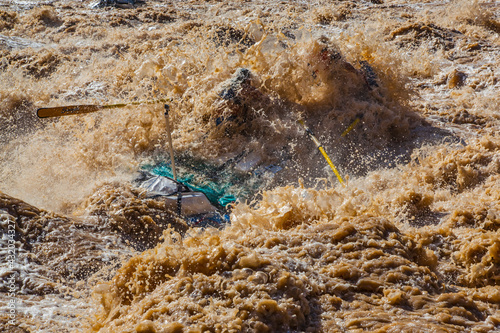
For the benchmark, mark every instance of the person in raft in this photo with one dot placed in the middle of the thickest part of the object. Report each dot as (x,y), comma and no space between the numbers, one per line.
(235,94)
(328,63)
(240,100)
(240,103)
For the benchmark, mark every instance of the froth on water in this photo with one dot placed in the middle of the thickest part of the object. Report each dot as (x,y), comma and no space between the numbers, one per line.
(411,243)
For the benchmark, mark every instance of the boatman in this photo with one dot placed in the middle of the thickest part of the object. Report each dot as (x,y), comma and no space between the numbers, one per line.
(236,96)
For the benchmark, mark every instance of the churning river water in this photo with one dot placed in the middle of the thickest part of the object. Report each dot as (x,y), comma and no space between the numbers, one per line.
(403,95)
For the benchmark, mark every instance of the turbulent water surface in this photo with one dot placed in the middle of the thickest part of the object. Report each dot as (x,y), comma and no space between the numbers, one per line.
(410,244)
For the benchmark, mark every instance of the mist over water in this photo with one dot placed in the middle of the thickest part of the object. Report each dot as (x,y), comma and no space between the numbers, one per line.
(410,244)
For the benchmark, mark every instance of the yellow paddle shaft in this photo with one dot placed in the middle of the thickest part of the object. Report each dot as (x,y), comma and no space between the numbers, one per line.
(331,164)
(323,152)
(348,129)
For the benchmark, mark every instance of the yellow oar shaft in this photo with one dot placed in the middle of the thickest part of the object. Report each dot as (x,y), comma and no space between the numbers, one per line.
(323,152)
(331,164)
(348,129)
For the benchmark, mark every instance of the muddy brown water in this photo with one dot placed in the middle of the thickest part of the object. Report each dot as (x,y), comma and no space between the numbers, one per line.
(410,244)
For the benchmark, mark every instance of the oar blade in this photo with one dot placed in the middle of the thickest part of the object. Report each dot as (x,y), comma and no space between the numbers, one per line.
(59,111)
